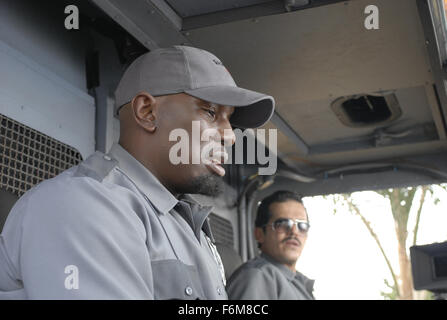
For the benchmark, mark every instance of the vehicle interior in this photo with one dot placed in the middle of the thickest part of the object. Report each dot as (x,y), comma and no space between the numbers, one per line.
(357,108)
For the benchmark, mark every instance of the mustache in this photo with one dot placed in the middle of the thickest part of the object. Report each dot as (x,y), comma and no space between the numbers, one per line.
(292,238)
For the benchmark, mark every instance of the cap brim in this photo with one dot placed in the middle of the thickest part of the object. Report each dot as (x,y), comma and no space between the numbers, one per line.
(253,109)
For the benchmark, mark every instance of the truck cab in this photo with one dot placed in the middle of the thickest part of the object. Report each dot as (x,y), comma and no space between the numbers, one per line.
(359,86)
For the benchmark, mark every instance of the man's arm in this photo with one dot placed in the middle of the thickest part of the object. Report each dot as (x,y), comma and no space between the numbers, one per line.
(77,244)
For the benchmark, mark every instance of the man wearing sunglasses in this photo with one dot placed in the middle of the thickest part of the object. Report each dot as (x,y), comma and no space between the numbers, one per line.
(281,231)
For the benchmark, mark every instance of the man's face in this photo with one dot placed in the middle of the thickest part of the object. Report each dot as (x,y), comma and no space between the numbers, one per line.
(284,247)
(178,111)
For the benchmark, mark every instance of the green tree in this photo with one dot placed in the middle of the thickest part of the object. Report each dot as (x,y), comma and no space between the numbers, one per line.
(401,202)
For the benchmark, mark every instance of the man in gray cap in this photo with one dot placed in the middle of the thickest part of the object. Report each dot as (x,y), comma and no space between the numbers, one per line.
(119,225)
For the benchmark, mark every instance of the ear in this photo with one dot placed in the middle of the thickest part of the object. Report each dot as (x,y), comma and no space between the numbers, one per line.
(144,108)
(259,235)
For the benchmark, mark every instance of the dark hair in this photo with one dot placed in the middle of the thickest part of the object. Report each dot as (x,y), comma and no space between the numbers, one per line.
(264,214)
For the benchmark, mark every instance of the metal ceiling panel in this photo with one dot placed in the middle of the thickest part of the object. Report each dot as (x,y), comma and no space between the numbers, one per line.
(306,59)
(307,116)
(323,52)
(150,22)
(191,8)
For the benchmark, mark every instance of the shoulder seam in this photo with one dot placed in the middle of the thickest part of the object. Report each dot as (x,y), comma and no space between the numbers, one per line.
(84,169)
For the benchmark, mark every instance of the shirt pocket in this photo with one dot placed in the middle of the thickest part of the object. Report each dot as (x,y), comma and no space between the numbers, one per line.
(175,280)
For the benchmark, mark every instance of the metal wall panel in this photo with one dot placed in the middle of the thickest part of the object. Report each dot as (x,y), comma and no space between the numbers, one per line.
(42,100)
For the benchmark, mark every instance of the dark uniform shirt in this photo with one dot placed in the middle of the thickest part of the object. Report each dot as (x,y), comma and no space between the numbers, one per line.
(111,224)
(262,278)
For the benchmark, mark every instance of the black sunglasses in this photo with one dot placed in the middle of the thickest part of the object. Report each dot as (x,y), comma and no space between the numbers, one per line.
(283,225)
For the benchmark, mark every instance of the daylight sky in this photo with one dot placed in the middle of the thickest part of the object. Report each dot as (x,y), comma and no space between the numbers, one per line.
(343,258)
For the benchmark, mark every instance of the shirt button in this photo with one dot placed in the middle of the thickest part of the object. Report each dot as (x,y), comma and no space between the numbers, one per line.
(188,291)
(219,291)
(107,158)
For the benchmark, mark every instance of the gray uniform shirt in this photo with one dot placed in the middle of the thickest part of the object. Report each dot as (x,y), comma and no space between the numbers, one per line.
(107,229)
(262,278)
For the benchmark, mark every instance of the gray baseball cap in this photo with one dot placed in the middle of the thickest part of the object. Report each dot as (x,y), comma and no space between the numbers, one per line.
(198,73)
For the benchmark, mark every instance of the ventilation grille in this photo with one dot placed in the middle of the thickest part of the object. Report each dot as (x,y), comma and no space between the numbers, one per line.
(367,110)
(28,157)
(222,230)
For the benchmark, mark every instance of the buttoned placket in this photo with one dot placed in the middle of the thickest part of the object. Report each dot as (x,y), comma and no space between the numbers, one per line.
(185,210)
(165,206)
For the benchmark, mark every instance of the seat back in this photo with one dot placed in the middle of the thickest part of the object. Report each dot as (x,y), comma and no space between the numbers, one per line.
(7,201)
(230,258)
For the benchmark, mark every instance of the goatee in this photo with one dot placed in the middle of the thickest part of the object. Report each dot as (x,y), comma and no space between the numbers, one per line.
(208,185)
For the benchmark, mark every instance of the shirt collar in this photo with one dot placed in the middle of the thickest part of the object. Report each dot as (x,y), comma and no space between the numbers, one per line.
(144,180)
(289,274)
(199,216)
